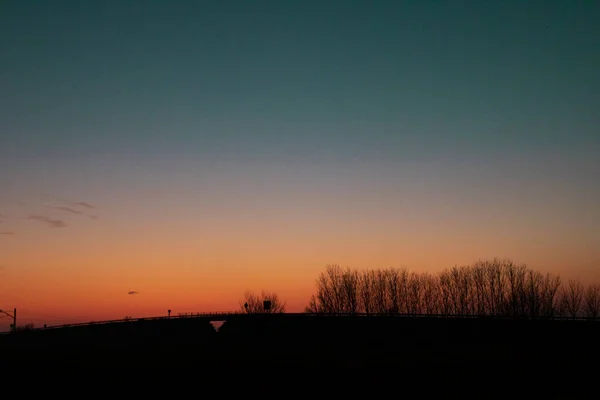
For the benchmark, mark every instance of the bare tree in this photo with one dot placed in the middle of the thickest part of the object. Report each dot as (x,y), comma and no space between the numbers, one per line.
(381,297)
(481,292)
(534,281)
(314,306)
(367,280)
(255,304)
(330,296)
(492,287)
(592,301)
(431,293)
(456,288)
(496,284)
(393,285)
(350,291)
(572,298)
(415,289)
(446,293)
(550,287)
(515,277)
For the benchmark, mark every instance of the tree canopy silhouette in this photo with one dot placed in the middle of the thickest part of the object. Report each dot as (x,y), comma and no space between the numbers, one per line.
(485,288)
(255,304)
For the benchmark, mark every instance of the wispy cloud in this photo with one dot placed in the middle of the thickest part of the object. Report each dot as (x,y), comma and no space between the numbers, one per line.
(53,223)
(132,292)
(72,208)
(84,204)
(7,233)
(70,202)
(65,209)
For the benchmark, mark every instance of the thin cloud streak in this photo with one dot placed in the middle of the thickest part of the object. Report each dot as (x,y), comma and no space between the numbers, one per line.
(73,210)
(132,292)
(66,209)
(7,233)
(86,205)
(53,223)
(71,202)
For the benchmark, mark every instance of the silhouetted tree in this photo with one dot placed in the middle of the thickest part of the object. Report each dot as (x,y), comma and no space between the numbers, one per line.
(366,291)
(431,293)
(392,283)
(254,304)
(572,298)
(592,301)
(533,294)
(350,293)
(515,292)
(549,293)
(382,291)
(455,284)
(490,287)
(495,285)
(313,306)
(337,291)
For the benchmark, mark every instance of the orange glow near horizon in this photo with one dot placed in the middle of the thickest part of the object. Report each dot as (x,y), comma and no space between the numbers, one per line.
(50,286)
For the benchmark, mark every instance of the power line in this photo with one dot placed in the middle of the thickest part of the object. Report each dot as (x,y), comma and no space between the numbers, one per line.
(13,316)
(38,315)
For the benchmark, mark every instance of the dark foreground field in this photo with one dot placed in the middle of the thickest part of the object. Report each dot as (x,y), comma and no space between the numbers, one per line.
(312,341)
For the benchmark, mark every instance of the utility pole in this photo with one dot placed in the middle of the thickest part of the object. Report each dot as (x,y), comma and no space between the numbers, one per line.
(13,316)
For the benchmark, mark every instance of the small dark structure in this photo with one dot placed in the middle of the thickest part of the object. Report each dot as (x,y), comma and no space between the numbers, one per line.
(267,305)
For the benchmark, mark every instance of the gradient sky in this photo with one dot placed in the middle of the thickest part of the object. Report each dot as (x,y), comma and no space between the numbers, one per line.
(190,150)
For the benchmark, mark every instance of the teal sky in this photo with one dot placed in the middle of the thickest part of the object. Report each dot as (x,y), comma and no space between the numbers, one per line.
(407,125)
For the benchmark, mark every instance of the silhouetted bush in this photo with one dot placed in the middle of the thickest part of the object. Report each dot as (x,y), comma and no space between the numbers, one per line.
(25,328)
(253,304)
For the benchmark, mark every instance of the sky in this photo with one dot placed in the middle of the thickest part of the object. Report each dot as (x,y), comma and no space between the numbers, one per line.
(190,151)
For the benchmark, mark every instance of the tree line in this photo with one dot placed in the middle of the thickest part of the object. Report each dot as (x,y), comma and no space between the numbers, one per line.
(486,288)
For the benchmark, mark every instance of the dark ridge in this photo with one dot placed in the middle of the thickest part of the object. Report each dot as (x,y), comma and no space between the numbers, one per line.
(157,342)
(288,340)
(406,342)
